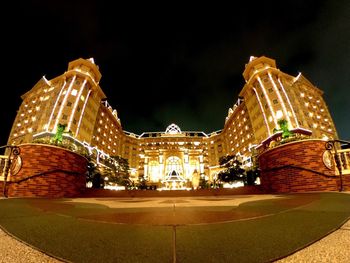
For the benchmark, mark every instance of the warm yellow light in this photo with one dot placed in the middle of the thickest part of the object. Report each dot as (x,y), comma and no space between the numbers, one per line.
(279,114)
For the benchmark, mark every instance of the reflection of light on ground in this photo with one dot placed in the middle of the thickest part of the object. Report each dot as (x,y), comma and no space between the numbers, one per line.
(178,188)
(233,185)
(114,187)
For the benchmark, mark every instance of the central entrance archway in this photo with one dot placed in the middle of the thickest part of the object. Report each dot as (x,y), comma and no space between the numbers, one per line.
(174,174)
(174,181)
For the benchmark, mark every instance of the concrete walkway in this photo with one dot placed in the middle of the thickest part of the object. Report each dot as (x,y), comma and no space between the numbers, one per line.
(333,248)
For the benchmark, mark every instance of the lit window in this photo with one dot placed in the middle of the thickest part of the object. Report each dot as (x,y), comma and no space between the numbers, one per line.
(15,134)
(311,114)
(18,124)
(315,125)
(25,121)
(82,97)
(302,95)
(74,92)
(99,129)
(37,108)
(30,129)
(279,114)
(22,114)
(329,130)
(34,118)
(306,104)
(100,121)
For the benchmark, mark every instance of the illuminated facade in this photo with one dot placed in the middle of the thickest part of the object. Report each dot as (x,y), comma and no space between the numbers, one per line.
(174,158)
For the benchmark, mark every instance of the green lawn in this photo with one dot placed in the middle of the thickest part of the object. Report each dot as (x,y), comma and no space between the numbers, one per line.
(57,228)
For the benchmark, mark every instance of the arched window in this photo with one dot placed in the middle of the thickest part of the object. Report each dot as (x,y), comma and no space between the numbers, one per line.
(154,171)
(173,129)
(173,163)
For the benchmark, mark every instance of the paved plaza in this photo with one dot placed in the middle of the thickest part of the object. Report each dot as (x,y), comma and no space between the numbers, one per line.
(332,248)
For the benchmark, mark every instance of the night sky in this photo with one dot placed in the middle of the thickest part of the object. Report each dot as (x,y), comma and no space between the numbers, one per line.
(183,64)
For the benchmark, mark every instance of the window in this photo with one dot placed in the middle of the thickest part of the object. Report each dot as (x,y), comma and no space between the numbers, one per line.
(69,104)
(275,101)
(173,163)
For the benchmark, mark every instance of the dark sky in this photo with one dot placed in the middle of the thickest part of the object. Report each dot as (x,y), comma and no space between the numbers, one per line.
(182,64)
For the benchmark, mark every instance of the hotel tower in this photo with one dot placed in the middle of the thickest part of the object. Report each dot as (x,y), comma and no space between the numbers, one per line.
(173,158)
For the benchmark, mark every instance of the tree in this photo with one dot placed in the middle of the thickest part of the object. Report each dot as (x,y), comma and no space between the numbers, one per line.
(233,169)
(203,182)
(58,138)
(94,176)
(119,173)
(286,133)
(251,176)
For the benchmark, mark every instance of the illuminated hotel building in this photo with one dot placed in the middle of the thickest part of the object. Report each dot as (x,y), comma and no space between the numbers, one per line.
(173,157)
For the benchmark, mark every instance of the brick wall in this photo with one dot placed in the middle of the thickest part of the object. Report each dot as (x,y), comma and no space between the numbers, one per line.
(48,171)
(298,167)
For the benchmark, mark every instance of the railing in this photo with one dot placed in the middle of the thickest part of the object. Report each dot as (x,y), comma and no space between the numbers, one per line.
(344,156)
(341,157)
(5,164)
(3,160)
